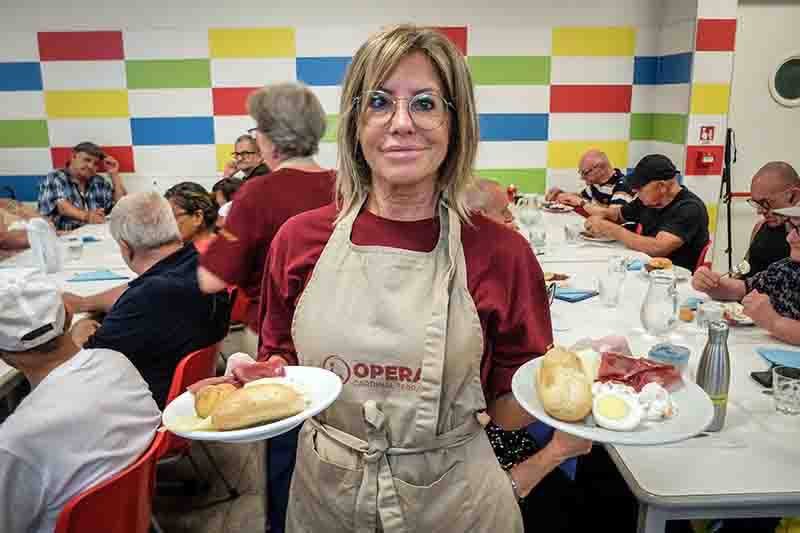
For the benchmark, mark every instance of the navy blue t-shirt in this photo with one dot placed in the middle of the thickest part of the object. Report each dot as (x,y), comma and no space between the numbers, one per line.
(161,317)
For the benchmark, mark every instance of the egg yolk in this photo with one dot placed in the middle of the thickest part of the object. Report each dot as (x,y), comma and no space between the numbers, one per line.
(612,407)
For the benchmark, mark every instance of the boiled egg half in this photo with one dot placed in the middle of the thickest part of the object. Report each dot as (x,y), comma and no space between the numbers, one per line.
(616,410)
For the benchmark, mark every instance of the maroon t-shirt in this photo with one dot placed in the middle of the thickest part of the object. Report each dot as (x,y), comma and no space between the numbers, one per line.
(262,205)
(503,277)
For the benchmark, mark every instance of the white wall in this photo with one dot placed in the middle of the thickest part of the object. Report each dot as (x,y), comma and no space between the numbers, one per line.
(92,14)
(765,131)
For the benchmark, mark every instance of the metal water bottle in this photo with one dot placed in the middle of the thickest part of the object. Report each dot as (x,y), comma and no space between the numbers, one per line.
(714,372)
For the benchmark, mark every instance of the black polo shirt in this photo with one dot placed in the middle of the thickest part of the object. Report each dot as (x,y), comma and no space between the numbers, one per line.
(163,316)
(685,217)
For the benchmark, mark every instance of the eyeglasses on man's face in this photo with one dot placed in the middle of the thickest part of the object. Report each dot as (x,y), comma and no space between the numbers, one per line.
(585,172)
(242,155)
(428,110)
(765,204)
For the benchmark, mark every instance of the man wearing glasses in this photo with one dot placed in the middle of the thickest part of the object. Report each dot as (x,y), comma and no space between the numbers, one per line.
(247,161)
(605,186)
(775,186)
(770,297)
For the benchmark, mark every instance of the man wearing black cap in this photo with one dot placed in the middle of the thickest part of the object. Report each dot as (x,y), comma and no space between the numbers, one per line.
(673,220)
(77,195)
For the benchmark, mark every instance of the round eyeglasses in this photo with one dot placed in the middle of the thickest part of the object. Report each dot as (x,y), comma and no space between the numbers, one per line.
(428,111)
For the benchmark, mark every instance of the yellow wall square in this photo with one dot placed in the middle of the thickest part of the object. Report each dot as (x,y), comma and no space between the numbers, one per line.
(566,154)
(710,98)
(86,104)
(252,42)
(594,41)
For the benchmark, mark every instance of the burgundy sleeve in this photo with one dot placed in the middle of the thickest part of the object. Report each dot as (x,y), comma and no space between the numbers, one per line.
(280,289)
(523,329)
(232,255)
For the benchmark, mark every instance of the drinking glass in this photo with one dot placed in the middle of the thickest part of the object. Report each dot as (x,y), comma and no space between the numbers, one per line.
(74,247)
(786,389)
(659,311)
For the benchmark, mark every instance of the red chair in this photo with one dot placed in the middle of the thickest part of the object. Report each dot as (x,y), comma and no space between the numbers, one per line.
(239,307)
(701,261)
(122,504)
(197,365)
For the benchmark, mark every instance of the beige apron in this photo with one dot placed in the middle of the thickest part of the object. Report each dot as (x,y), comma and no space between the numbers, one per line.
(400,450)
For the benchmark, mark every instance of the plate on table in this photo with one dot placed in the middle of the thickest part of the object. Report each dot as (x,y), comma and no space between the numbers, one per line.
(680,273)
(694,413)
(595,238)
(320,386)
(734,315)
(555,207)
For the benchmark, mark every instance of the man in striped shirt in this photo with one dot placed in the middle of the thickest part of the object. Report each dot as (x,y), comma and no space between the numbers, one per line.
(605,185)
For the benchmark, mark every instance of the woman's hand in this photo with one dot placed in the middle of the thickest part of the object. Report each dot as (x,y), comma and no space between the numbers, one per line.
(564,446)
(82,330)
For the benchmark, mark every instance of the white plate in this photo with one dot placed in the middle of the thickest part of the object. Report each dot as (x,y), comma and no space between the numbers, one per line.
(734,314)
(557,208)
(587,237)
(695,412)
(680,273)
(323,387)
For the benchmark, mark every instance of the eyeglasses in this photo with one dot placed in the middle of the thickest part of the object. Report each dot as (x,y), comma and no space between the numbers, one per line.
(584,173)
(428,111)
(765,204)
(240,155)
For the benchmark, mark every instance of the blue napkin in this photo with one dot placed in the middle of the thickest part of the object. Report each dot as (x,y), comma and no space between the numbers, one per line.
(574,295)
(89,238)
(634,265)
(97,275)
(542,433)
(779,356)
(693,303)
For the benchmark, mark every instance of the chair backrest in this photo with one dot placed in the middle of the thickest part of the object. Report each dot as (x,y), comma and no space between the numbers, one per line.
(701,261)
(239,307)
(122,504)
(197,365)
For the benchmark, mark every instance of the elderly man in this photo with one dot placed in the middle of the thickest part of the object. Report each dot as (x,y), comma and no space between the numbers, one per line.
(776,185)
(77,195)
(770,297)
(673,220)
(605,186)
(247,161)
(89,413)
(490,199)
(162,315)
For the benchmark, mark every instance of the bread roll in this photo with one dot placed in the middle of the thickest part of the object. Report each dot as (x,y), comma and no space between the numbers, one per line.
(207,398)
(255,405)
(564,389)
(658,263)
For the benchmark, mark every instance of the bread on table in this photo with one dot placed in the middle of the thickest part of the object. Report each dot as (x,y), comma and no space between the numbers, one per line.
(207,398)
(563,387)
(258,404)
(659,263)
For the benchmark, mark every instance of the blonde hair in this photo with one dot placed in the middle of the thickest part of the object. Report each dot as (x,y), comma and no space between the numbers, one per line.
(371,66)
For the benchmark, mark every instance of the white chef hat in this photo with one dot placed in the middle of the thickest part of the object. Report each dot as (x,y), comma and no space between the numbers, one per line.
(31,309)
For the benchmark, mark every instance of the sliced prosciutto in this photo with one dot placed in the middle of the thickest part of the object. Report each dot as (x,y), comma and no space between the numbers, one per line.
(637,372)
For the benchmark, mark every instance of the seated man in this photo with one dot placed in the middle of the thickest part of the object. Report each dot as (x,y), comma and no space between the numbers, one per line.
(776,185)
(247,161)
(159,317)
(673,220)
(88,416)
(490,199)
(770,297)
(77,195)
(605,186)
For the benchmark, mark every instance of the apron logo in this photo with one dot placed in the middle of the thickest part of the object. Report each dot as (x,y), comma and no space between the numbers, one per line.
(372,374)
(338,366)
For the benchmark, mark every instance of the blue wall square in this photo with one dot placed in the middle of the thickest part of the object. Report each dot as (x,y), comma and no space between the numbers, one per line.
(322,70)
(675,68)
(20,77)
(26,188)
(175,130)
(645,70)
(513,126)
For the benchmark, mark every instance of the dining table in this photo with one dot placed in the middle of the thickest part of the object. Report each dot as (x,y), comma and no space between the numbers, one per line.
(751,468)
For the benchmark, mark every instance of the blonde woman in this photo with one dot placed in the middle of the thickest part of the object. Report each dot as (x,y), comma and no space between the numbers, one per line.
(423,310)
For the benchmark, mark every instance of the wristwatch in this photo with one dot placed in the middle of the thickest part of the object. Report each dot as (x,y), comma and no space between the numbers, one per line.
(514,485)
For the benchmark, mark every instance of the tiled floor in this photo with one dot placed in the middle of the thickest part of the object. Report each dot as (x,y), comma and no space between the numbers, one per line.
(242,464)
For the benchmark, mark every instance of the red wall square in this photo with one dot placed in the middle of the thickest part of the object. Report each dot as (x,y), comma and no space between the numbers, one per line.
(716,35)
(80,45)
(231,101)
(693,166)
(457,34)
(124,154)
(590,98)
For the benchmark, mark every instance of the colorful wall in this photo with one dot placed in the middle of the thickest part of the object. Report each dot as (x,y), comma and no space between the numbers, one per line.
(167,98)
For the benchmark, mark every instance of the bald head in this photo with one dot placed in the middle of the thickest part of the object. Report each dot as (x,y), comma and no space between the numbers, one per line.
(775,185)
(594,167)
(489,198)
